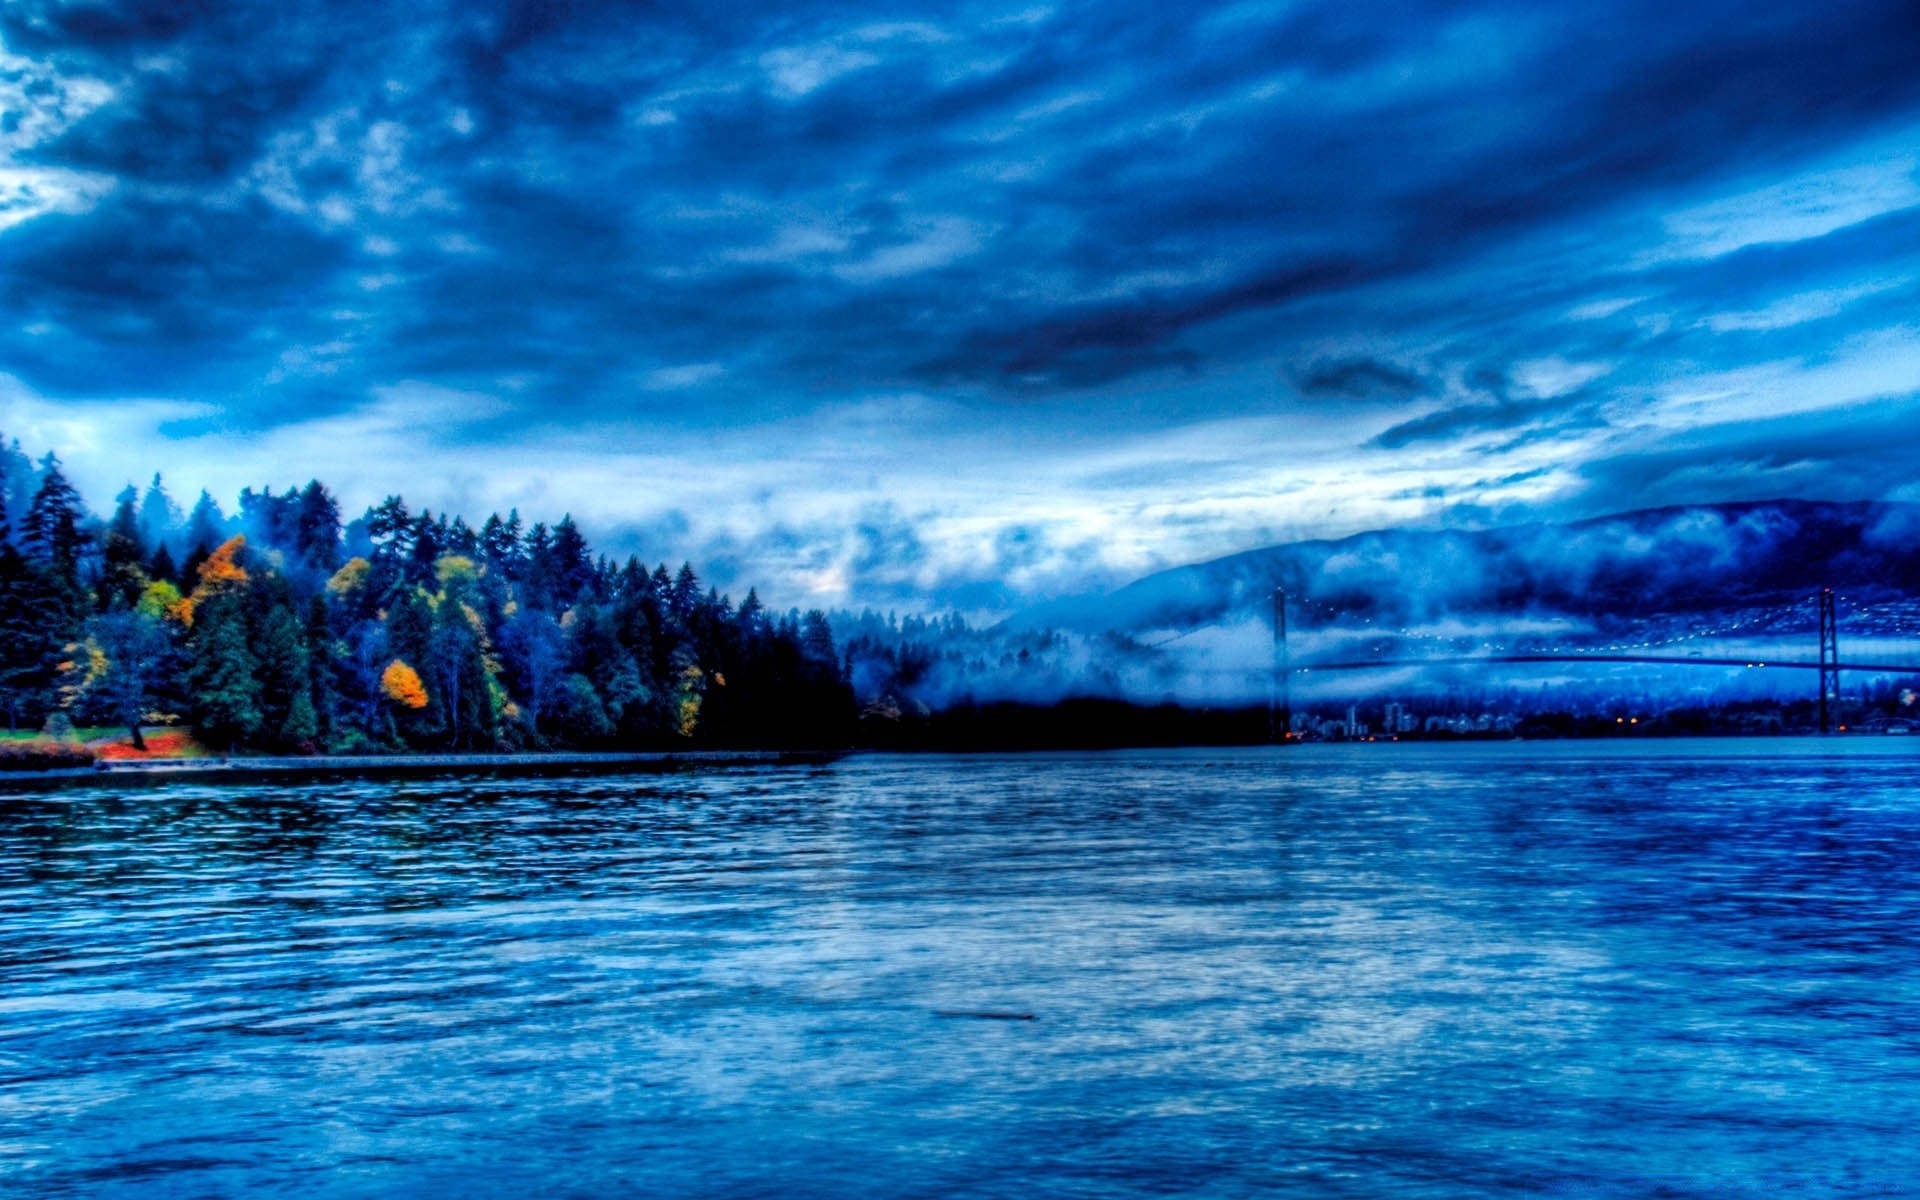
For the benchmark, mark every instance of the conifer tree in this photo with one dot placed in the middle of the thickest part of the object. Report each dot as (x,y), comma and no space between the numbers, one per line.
(224,676)
(159,515)
(286,680)
(51,532)
(23,642)
(206,528)
(124,556)
(317,528)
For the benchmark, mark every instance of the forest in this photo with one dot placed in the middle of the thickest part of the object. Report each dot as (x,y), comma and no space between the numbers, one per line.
(281,628)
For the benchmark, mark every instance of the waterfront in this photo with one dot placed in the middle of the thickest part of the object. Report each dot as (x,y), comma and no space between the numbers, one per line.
(1316,971)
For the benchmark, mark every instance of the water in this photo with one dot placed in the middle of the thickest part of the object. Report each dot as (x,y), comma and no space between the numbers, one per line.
(1646,969)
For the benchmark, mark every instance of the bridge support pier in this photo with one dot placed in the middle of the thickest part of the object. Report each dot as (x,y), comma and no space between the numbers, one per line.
(1279,699)
(1829,663)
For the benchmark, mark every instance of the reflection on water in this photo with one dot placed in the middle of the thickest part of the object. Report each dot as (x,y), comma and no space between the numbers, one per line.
(1325,971)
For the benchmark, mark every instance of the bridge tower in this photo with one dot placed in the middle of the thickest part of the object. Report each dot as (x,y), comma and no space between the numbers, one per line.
(1829,663)
(1279,701)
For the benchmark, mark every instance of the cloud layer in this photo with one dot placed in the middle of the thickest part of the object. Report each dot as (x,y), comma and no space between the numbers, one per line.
(984,304)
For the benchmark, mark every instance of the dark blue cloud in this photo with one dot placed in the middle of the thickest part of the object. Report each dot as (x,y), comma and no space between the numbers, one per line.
(1118,216)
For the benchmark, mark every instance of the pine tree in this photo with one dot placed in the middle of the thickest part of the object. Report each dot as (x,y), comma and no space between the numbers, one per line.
(224,676)
(500,544)
(286,681)
(124,555)
(324,669)
(569,569)
(52,531)
(24,647)
(162,566)
(206,528)
(317,528)
(159,515)
(686,592)
(536,579)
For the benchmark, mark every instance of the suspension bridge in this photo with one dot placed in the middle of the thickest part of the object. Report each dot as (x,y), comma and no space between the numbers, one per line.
(1827,661)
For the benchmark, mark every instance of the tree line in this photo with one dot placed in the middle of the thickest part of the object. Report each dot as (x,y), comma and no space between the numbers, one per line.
(281,628)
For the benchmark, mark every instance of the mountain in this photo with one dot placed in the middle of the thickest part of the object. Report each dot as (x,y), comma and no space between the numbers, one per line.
(1632,565)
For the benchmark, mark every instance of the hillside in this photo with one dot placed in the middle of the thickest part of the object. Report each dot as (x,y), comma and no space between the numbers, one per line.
(1632,565)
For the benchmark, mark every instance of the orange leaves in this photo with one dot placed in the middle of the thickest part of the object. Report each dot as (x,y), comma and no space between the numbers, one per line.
(402,685)
(222,566)
(221,570)
(176,743)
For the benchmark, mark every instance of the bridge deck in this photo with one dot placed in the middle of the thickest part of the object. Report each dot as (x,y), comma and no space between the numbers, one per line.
(1465,660)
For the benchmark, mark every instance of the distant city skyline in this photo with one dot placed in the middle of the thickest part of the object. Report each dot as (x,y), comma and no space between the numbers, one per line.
(991,304)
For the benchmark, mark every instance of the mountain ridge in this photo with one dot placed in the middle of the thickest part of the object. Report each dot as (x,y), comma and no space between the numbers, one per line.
(1638,562)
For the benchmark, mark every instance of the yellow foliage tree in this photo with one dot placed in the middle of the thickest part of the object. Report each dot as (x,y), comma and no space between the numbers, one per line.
(686,700)
(349,577)
(158,600)
(454,568)
(402,685)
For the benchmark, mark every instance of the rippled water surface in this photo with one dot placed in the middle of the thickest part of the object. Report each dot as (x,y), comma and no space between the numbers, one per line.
(1324,971)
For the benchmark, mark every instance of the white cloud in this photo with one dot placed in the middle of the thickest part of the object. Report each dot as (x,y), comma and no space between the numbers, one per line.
(945,240)
(300,169)
(29,192)
(668,379)
(797,70)
(1797,309)
(1057,105)
(37,104)
(1596,310)
(791,243)
(1809,205)
(1546,378)
(1882,363)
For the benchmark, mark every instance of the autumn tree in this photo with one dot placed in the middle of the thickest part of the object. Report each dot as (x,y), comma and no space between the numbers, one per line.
(224,675)
(401,684)
(458,657)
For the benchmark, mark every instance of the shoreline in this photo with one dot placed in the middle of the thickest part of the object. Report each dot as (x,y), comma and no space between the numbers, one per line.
(401,765)
(158,770)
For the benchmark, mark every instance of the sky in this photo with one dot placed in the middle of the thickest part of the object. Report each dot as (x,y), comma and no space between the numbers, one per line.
(968,305)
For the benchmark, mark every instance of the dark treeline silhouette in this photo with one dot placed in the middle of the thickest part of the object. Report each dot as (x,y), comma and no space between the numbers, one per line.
(1078,723)
(282,629)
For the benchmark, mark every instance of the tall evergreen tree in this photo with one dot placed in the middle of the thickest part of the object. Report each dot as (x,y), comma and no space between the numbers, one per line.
(569,567)
(317,528)
(224,678)
(52,531)
(25,668)
(206,527)
(500,545)
(285,673)
(123,554)
(159,516)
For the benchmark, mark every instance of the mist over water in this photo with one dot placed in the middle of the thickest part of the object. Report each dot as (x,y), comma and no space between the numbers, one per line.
(1725,581)
(1324,971)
